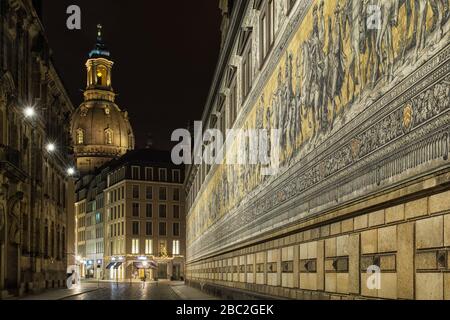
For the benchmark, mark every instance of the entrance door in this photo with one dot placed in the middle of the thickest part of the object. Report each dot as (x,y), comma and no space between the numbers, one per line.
(162,271)
(176,272)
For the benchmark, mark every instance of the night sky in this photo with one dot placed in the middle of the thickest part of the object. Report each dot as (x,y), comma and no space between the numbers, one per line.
(165,54)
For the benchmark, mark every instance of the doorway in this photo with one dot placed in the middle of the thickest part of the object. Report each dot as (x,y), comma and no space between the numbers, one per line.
(176,272)
(162,271)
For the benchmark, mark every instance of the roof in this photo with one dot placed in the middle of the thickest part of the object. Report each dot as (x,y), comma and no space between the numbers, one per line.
(139,156)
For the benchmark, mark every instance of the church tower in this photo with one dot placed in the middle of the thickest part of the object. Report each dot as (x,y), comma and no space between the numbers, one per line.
(101,131)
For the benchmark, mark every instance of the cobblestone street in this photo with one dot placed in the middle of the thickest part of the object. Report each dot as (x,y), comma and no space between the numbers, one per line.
(163,290)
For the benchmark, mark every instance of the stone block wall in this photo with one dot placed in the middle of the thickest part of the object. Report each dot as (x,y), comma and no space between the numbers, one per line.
(409,243)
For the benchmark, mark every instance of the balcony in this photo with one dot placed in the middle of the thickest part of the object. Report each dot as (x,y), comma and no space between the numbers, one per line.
(10,163)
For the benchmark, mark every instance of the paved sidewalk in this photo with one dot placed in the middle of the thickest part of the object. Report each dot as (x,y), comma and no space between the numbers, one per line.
(59,294)
(188,293)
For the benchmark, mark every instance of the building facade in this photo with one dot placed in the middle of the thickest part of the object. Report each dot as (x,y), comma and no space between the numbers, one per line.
(355,186)
(136,223)
(34,149)
(101,131)
(89,224)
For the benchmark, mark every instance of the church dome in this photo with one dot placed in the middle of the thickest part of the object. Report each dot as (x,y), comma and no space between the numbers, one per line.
(100,130)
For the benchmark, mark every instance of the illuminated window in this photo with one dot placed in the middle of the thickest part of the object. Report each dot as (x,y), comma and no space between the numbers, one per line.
(80,136)
(135,246)
(109,136)
(176,247)
(101,76)
(148,246)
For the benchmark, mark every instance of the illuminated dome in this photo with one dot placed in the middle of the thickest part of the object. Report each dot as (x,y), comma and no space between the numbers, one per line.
(101,131)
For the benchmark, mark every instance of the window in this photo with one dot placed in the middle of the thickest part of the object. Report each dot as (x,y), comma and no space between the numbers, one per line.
(176,229)
(162,229)
(162,175)
(135,192)
(135,246)
(148,228)
(101,76)
(80,136)
(176,247)
(149,192)
(149,246)
(176,212)
(149,174)
(176,176)
(135,173)
(135,228)
(247,76)
(163,193)
(135,209)
(149,210)
(223,120)
(109,136)
(267,27)
(162,211)
(233,103)
(176,194)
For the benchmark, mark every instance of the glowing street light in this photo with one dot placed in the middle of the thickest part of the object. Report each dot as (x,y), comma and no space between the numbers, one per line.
(51,147)
(71,171)
(29,112)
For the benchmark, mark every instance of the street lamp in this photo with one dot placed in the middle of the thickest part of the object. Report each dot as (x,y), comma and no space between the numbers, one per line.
(71,171)
(29,112)
(50,147)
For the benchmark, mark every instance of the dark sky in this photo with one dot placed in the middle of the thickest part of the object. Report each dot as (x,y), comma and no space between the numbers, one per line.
(165,53)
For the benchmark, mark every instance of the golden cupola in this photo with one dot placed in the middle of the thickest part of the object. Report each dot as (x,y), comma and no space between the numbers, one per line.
(101,131)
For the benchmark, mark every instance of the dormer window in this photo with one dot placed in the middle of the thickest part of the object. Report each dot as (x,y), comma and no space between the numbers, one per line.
(109,136)
(80,136)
